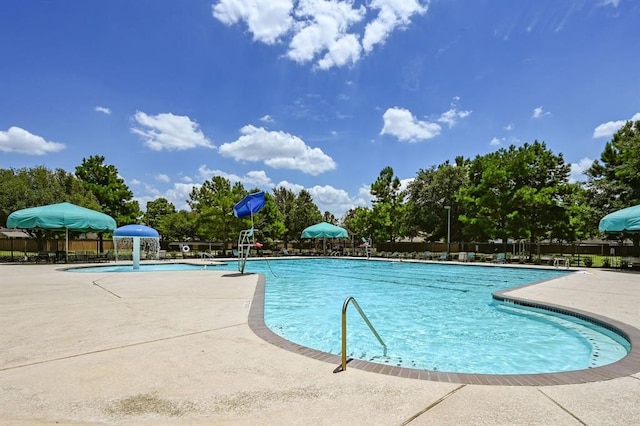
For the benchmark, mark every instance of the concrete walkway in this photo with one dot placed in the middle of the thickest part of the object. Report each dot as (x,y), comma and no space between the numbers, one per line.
(176,348)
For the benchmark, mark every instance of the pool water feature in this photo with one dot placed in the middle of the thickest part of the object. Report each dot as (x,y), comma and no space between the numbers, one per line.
(432,316)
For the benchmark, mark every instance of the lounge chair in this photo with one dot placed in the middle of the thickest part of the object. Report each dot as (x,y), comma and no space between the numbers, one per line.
(444,256)
(470,256)
(500,258)
(426,255)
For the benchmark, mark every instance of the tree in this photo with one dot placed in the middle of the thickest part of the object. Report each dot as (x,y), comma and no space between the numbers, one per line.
(386,205)
(178,226)
(113,195)
(516,193)
(614,180)
(358,222)
(329,218)
(305,213)
(429,193)
(156,210)
(213,204)
(285,201)
(269,222)
(38,186)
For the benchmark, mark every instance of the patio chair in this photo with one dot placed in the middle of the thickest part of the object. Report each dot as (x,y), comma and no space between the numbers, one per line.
(470,256)
(426,255)
(444,256)
(500,258)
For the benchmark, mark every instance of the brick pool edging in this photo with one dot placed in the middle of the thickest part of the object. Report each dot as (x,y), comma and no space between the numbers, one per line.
(626,366)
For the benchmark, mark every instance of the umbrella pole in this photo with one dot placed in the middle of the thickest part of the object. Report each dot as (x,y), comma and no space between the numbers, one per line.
(66,247)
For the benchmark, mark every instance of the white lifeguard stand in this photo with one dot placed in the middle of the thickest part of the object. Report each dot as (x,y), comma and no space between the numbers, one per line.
(247,207)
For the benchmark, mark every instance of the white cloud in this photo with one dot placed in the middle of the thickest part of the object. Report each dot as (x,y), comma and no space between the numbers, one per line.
(160,177)
(613,3)
(391,15)
(256,178)
(509,127)
(179,194)
(539,112)
(328,198)
(21,141)
(103,110)
(267,119)
(279,150)
(578,169)
(268,20)
(401,123)
(495,141)
(169,132)
(331,199)
(322,26)
(452,116)
(294,187)
(606,130)
(325,32)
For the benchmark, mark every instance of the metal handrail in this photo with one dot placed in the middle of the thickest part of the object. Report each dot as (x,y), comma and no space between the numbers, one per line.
(344,329)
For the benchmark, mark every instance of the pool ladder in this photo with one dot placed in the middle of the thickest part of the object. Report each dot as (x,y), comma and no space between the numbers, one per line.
(343,366)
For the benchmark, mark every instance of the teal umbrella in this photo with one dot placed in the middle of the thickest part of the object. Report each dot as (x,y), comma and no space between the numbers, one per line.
(62,216)
(324,230)
(626,221)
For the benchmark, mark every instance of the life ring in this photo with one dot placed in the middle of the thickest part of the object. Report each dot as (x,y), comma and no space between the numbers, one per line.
(185,249)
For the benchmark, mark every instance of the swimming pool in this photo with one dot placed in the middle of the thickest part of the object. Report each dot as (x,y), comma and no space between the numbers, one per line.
(432,316)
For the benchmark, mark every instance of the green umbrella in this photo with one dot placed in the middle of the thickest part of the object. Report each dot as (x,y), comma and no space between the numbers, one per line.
(324,230)
(62,216)
(625,221)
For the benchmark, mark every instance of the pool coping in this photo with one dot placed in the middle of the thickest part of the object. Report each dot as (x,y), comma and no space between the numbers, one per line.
(626,366)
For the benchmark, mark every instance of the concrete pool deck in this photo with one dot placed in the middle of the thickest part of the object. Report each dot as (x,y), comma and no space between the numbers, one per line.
(176,348)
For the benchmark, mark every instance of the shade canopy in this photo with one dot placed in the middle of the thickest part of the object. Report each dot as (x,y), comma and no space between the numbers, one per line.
(136,231)
(61,216)
(249,205)
(325,230)
(622,221)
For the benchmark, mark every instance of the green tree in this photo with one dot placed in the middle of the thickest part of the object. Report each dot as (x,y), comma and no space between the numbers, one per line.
(178,226)
(516,193)
(388,198)
(113,195)
(305,214)
(38,186)
(429,193)
(269,222)
(156,210)
(614,180)
(213,204)
(358,222)
(329,218)
(285,201)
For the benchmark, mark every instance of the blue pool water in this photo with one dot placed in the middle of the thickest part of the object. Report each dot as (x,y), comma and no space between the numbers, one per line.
(431,316)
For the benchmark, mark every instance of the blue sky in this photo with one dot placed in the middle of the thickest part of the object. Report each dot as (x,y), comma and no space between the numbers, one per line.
(315,94)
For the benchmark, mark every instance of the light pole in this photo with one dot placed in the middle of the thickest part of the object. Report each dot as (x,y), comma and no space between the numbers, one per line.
(448,229)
